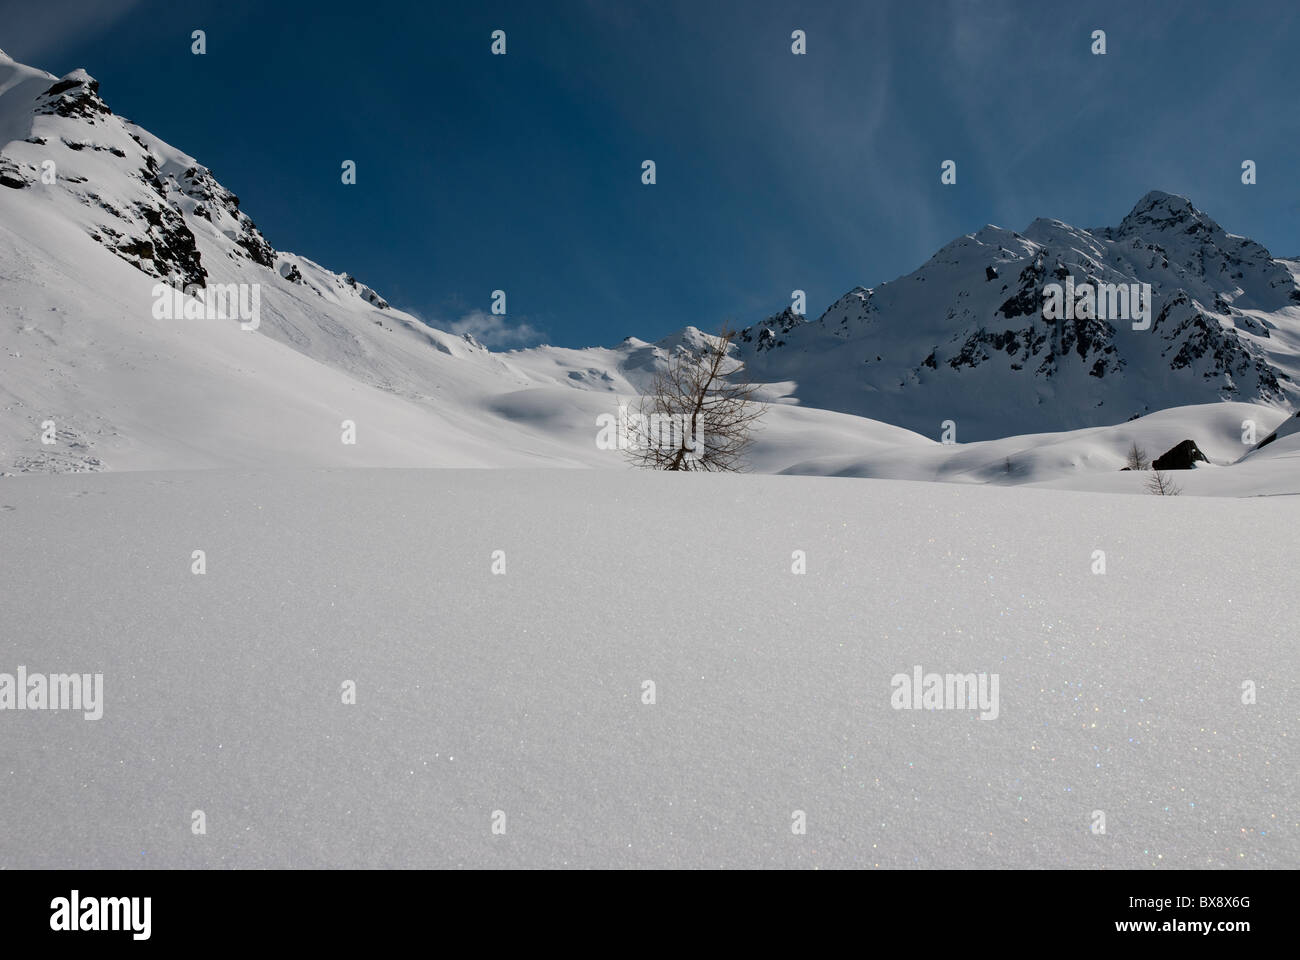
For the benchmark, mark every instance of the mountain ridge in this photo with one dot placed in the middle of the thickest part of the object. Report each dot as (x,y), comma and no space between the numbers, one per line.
(162,216)
(1225,326)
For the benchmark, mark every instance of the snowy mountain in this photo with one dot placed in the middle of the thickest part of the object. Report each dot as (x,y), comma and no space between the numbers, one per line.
(964,337)
(96,213)
(331,668)
(97,216)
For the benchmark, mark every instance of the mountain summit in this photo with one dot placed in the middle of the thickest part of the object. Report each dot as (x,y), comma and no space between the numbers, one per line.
(965,338)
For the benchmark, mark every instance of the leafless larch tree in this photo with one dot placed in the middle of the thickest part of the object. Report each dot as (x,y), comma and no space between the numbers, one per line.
(698,413)
(1162,485)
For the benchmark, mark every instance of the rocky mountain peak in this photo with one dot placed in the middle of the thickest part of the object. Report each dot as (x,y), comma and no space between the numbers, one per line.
(965,334)
(1160,212)
(74,95)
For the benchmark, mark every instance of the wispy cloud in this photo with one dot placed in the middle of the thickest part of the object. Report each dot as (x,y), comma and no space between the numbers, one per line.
(493,330)
(45,29)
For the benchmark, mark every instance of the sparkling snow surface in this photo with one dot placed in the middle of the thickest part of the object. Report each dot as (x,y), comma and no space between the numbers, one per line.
(522,692)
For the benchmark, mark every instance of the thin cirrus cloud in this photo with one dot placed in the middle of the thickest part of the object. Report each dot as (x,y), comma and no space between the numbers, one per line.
(493,330)
(40,31)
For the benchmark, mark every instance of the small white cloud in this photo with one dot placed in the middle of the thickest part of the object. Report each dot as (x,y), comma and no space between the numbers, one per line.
(493,330)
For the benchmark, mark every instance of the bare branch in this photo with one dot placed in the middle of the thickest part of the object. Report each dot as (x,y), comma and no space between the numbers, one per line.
(1162,485)
(698,413)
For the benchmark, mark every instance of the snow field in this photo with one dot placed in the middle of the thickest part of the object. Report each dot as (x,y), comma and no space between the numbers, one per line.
(522,692)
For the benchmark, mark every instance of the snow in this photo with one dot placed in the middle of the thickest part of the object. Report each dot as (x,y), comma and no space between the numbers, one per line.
(522,692)
(79,345)
(330,562)
(1092,459)
(130,392)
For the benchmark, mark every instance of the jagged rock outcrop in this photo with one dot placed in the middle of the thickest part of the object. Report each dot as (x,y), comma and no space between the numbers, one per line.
(142,199)
(1182,456)
(772,331)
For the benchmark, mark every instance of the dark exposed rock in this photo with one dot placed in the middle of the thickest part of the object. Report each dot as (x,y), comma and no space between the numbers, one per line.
(63,85)
(255,245)
(1181,457)
(772,331)
(10,175)
(76,95)
(1198,335)
(972,353)
(366,294)
(214,199)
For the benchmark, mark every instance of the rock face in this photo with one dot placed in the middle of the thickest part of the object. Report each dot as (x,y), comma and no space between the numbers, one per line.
(11,175)
(1184,456)
(75,95)
(772,331)
(150,204)
(964,337)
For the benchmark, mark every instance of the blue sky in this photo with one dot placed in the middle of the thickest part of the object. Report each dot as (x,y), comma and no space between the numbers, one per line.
(775,172)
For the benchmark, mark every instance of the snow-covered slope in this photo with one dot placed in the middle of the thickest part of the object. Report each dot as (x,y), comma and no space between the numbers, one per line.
(80,344)
(1087,459)
(523,692)
(96,213)
(519,689)
(963,338)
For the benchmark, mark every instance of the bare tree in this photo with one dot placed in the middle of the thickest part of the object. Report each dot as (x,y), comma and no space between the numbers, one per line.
(697,415)
(1137,458)
(1161,485)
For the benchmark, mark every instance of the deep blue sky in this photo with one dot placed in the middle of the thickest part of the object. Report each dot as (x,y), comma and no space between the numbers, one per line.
(775,171)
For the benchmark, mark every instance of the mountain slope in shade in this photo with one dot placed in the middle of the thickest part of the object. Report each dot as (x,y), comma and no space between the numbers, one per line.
(963,337)
(1282,442)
